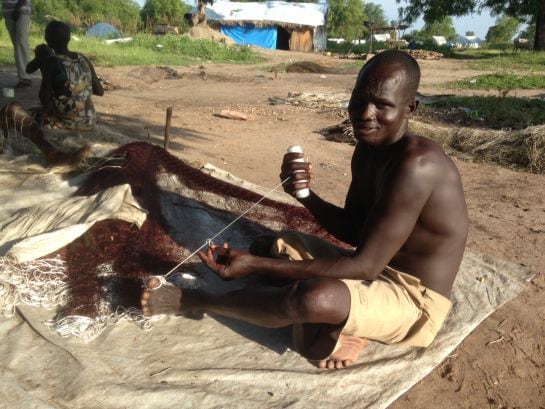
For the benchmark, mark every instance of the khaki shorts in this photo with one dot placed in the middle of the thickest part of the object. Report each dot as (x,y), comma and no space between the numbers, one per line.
(393,309)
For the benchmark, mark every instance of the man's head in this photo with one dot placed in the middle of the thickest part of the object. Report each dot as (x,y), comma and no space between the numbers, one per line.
(57,35)
(383,98)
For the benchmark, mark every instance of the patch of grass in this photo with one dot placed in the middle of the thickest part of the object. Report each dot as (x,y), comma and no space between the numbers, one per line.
(501,81)
(146,49)
(490,112)
(499,60)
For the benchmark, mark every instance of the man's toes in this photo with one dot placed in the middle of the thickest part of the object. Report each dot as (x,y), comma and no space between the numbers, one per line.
(152,283)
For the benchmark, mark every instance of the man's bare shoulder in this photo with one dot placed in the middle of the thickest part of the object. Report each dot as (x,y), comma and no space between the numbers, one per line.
(423,153)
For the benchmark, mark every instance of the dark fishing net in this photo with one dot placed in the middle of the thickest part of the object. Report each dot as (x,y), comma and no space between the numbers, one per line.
(106,265)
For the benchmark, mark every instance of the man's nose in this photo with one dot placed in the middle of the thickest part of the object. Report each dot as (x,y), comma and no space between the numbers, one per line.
(368,112)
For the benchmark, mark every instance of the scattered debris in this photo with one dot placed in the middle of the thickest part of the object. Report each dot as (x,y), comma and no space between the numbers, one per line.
(418,54)
(307,67)
(232,115)
(424,54)
(204,32)
(493,342)
(313,100)
(154,74)
(339,133)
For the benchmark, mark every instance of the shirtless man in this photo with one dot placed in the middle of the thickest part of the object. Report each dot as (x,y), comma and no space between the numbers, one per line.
(405,214)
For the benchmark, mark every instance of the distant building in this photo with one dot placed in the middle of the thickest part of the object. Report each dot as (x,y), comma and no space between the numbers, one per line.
(384,38)
(439,40)
(466,42)
(274,24)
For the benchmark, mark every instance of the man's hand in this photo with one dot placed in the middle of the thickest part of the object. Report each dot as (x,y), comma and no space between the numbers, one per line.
(300,173)
(228,263)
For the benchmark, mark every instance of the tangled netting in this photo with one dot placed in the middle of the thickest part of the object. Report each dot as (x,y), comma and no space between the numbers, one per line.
(105,267)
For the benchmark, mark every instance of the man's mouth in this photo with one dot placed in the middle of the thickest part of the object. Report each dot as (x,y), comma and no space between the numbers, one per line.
(365,129)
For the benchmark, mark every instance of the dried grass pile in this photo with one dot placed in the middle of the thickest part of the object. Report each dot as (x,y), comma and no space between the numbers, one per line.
(523,149)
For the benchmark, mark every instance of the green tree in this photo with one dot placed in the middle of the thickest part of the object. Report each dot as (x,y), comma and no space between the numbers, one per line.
(84,13)
(529,31)
(435,10)
(470,33)
(164,11)
(374,16)
(345,19)
(503,31)
(444,27)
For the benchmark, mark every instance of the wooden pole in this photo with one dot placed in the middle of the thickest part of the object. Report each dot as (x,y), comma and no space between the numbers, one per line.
(167,127)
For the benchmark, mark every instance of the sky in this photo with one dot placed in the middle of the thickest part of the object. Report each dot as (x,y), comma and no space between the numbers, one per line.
(479,24)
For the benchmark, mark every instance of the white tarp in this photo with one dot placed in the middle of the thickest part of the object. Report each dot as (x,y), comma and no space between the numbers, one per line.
(216,362)
(308,14)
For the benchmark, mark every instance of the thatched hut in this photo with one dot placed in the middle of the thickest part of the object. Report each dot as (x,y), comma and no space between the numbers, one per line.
(274,24)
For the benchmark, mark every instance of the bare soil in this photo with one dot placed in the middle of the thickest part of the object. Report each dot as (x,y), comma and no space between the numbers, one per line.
(507,207)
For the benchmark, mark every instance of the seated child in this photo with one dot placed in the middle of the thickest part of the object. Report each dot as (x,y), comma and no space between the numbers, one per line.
(68,83)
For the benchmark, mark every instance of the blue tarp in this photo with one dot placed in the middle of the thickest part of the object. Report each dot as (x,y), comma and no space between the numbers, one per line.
(263,37)
(104,30)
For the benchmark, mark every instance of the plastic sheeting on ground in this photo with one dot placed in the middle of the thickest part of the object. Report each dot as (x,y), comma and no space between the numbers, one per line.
(218,362)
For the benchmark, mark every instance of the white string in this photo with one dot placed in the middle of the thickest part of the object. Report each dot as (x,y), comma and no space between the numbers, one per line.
(209,241)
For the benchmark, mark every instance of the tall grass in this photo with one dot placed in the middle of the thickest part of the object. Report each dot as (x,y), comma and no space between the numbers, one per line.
(498,60)
(490,111)
(501,81)
(144,49)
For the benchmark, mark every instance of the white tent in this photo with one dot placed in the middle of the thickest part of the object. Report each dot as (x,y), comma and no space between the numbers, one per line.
(439,40)
(466,42)
(382,37)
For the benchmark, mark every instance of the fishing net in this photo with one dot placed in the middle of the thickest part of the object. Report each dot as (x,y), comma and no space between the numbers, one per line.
(96,280)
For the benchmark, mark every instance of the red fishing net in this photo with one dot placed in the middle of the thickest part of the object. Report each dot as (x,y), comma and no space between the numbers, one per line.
(106,265)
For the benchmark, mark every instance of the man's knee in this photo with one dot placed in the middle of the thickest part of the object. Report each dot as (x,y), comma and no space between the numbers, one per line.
(318,301)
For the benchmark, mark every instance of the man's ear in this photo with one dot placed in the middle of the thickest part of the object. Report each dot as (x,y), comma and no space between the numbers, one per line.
(411,107)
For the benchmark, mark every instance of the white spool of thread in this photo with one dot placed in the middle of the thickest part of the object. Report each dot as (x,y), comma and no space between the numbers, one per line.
(304,192)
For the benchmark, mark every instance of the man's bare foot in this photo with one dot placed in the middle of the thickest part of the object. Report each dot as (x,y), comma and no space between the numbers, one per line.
(346,355)
(164,299)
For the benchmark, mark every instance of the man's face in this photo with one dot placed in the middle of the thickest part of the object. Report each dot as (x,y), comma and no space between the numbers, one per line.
(380,105)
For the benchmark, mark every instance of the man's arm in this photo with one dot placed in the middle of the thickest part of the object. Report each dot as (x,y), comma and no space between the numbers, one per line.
(46,87)
(333,218)
(388,227)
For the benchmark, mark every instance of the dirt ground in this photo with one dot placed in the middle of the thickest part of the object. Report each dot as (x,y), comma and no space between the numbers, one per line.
(502,363)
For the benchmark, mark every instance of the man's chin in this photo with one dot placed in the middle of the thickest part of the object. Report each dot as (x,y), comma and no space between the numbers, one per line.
(368,138)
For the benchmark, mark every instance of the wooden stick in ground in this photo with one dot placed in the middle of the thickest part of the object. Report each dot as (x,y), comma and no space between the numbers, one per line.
(167,127)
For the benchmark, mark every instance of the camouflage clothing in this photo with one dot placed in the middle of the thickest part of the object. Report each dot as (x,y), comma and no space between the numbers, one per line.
(73,108)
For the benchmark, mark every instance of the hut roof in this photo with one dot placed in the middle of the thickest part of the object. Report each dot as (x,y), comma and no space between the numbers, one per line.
(286,14)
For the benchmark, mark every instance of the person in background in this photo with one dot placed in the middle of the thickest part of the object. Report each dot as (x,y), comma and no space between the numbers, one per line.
(17,19)
(68,82)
